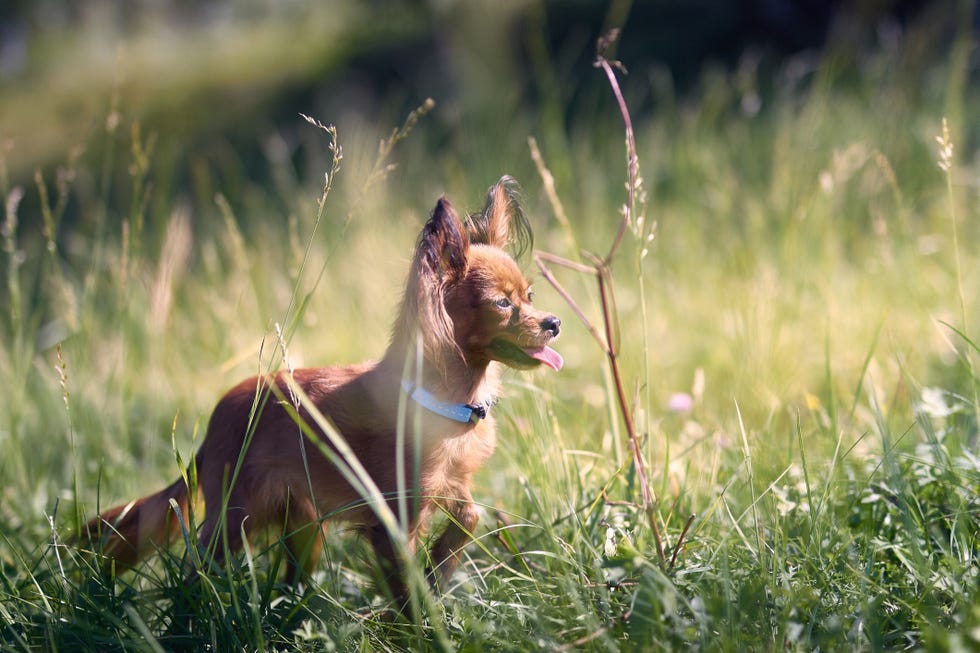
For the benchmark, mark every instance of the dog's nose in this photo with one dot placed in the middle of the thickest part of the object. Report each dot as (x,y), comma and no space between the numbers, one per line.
(551,323)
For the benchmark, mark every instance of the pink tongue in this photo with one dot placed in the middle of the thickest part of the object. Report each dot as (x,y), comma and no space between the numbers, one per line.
(546,355)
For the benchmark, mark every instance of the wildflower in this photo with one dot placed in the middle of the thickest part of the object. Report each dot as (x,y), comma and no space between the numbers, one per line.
(680,402)
(934,403)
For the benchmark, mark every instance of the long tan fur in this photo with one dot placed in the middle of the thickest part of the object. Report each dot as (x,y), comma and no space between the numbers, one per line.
(468,304)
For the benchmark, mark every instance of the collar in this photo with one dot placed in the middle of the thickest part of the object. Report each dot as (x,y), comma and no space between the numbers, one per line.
(463,413)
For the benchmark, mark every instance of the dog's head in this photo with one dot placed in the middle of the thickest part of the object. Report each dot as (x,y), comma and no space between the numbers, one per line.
(470,297)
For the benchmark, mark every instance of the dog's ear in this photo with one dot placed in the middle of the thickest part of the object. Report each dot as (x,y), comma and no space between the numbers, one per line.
(443,244)
(502,221)
(440,260)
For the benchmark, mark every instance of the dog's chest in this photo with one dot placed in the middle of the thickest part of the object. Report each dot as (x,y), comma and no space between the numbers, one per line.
(454,460)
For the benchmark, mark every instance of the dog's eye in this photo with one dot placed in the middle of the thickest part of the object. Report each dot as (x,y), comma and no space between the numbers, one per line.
(503,302)
(530,296)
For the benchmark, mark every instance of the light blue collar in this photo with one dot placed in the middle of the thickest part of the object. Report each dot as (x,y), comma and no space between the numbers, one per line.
(463,413)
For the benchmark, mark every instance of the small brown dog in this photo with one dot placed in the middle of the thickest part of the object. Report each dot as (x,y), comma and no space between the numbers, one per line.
(467,308)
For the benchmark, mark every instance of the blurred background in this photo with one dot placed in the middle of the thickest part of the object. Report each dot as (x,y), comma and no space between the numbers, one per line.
(215,80)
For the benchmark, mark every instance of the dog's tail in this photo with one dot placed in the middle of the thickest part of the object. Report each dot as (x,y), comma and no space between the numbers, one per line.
(129,532)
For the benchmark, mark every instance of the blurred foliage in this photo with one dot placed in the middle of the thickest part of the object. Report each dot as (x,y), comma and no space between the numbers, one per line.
(211,75)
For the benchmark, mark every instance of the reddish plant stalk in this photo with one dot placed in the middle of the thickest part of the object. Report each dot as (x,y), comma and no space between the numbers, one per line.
(600,268)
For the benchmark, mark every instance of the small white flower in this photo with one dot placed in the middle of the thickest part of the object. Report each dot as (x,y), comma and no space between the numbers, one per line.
(934,403)
(610,545)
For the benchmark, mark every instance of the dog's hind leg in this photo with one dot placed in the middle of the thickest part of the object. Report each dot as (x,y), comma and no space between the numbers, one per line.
(391,566)
(224,529)
(303,536)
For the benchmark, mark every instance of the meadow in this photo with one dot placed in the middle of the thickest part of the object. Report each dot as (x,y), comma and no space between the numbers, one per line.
(792,309)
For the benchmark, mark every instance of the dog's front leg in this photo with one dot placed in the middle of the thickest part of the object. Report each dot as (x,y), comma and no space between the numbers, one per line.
(446,552)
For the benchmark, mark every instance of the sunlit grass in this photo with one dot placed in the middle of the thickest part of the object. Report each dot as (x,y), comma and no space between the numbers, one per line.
(802,288)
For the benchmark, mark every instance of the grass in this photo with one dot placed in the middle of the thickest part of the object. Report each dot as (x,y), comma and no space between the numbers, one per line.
(808,286)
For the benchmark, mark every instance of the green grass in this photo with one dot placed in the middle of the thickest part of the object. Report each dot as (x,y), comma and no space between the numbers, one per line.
(810,284)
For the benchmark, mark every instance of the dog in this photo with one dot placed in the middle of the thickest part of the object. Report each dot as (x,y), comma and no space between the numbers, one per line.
(467,310)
